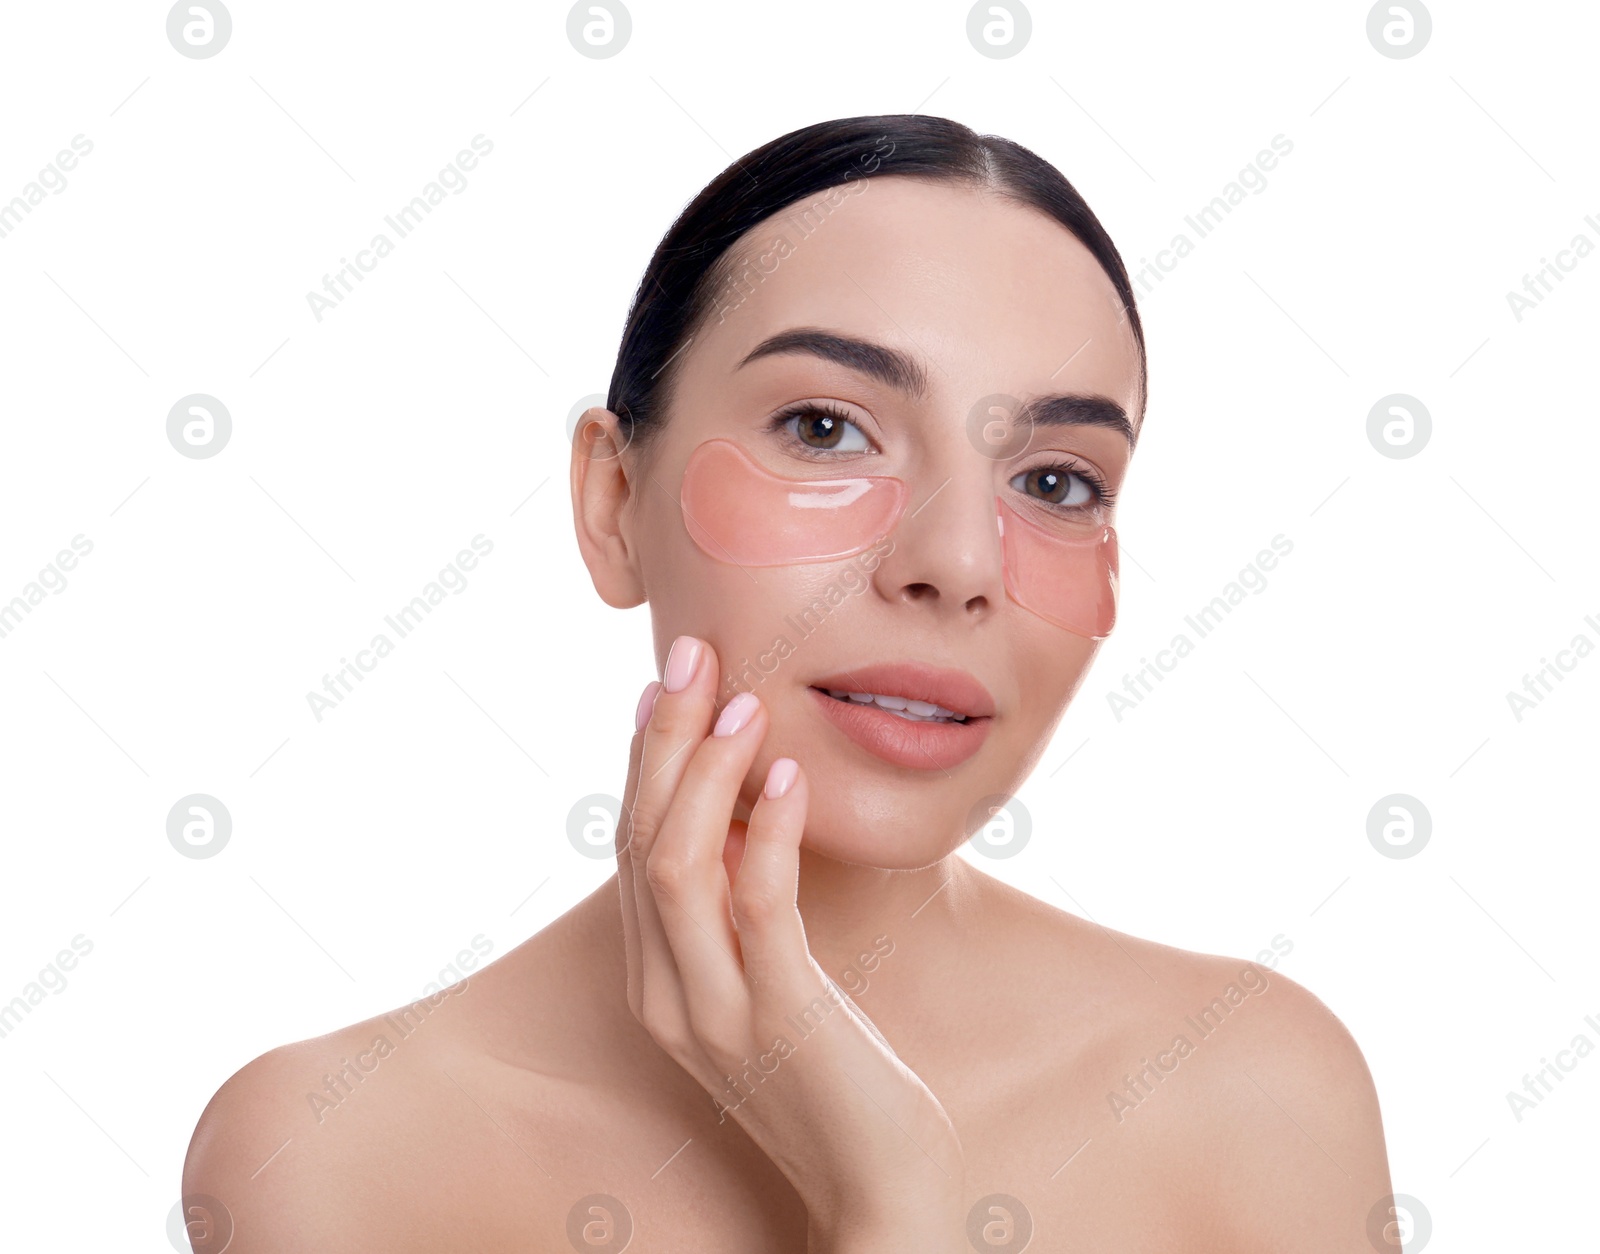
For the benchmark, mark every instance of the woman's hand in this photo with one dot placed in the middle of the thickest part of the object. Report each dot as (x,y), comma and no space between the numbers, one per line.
(720,975)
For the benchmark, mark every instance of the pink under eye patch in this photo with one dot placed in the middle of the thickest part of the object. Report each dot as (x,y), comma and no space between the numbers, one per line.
(740,513)
(1070,581)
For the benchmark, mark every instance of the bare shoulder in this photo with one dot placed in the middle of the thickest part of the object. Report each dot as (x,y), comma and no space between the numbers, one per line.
(244,1184)
(384,1135)
(1237,1082)
(1285,1096)
(295,1148)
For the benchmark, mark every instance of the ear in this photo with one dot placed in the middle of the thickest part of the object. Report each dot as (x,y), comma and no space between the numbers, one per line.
(602,494)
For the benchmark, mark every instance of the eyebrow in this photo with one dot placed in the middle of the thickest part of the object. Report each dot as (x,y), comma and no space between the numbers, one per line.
(904,373)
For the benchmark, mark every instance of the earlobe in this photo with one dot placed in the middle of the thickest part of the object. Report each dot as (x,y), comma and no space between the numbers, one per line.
(602,493)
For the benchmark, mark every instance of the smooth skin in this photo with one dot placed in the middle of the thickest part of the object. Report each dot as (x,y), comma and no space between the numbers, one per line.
(993,1028)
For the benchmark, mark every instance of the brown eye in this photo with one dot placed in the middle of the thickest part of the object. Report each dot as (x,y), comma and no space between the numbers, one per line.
(820,430)
(815,427)
(1057,485)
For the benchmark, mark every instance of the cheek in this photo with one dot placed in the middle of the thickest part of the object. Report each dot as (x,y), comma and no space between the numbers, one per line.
(753,617)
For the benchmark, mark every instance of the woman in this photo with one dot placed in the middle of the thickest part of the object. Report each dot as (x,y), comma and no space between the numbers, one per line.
(876,395)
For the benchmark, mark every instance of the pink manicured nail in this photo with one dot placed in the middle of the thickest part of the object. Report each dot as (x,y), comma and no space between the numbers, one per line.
(681,660)
(780,777)
(647,704)
(736,714)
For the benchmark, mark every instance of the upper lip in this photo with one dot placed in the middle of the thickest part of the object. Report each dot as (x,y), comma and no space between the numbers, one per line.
(956,691)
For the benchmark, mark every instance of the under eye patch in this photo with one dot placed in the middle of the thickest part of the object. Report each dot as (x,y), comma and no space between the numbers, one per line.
(740,513)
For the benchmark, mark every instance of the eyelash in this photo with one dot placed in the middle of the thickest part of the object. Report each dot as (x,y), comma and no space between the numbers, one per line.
(1105,497)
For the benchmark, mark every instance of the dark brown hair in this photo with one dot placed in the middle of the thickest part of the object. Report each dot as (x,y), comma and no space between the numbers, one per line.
(691,265)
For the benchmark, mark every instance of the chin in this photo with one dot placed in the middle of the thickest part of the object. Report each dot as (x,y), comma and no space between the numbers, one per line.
(899,852)
(890,827)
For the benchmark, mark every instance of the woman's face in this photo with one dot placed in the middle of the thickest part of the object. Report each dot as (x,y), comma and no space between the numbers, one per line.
(966,305)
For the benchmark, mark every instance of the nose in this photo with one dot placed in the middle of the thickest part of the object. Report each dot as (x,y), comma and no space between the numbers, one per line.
(946,553)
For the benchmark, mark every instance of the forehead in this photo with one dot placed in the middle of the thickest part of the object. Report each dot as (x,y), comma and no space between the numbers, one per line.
(995,296)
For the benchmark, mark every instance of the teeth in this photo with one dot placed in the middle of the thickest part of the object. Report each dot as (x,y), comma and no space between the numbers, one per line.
(914,711)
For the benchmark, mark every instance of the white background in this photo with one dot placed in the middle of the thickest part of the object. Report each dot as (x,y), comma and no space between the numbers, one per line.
(430,406)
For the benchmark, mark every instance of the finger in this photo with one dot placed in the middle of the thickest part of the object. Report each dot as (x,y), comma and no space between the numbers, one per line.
(733,851)
(732,857)
(679,721)
(629,908)
(765,896)
(687,868)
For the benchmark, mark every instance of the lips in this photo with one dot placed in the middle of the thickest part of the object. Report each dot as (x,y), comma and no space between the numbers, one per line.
(918,745)
(917,681)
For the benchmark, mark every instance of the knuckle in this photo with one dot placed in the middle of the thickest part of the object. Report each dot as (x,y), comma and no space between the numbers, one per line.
(666,1029)
(640,815)
(756,906)
(642,826)
(665,874)
(678,716)
(710,1028)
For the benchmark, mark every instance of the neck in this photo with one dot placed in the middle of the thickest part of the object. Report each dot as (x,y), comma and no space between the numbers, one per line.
(888,938)
(855,914)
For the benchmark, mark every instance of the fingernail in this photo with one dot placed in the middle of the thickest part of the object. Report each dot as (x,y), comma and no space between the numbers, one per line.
(735,714)
(684,654)
(647,704)
(780,777)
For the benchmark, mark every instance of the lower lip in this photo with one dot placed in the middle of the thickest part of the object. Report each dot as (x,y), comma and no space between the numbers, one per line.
(919,745)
